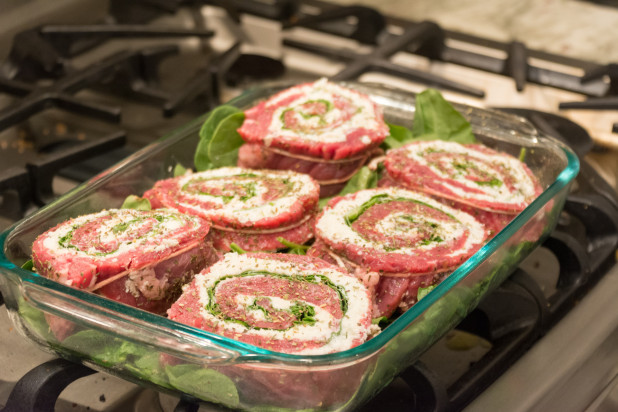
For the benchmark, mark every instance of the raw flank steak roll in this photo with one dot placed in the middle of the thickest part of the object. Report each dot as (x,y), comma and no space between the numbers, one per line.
(251,208)
(401,235)
(399,231)
(471,174)
(285,303)
(319,128)
(140,258)
(493,221)
(388,292)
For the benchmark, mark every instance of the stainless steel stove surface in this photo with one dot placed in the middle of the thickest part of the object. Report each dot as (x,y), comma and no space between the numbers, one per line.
(113,89)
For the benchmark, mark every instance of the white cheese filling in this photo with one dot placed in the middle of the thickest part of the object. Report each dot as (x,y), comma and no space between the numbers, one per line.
(351,326)
(255,207)
(332,224)
(524,186)
(164,234)
(364,115)
(396,224)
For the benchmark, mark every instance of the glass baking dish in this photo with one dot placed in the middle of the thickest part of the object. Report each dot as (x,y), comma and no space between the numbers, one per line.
(157,352)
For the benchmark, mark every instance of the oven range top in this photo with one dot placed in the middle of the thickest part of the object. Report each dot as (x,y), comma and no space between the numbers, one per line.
(84,84)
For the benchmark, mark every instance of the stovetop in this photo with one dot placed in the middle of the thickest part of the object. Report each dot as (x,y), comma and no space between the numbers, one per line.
(83,97)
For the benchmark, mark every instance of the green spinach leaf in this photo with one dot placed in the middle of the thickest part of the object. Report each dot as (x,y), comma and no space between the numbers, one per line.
(28,265)
(203,383)
(219,141)
(436,117)
(224,145)
(136,202)
(179,170)
(365,178)
(398,136)
(422,292)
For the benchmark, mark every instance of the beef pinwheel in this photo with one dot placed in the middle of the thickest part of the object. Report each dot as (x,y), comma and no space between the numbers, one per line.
(410,239)
(136,257)
(285,303)
(471,174)
(319,128)
(251,208)
(493,186)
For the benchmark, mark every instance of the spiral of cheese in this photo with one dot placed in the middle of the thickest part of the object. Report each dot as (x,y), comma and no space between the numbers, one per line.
(89,248)
(472,174)
(286,303)
(399,231)
(240,198)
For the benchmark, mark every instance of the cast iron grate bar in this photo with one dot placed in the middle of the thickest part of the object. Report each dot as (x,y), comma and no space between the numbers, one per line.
(378,59)
(38,390)
(43,52)
(42,171)
(610,101)
(368,25)
(598,103)
(15,191)
(134,71)
(203,83)
(232,67)
(32,57)
(610,71)
(145,10)
(67,39)
(138,76)
(280,10)
(141,11)
(533,74)
(516,64)
(59,94)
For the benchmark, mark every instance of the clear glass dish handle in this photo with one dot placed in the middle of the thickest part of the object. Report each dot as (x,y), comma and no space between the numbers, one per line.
(181,345)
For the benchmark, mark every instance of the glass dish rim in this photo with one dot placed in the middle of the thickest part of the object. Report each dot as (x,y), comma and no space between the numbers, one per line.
(248,352)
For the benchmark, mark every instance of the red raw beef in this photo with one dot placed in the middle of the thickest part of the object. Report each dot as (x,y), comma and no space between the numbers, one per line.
(190,310)
(149,271)
(452,166)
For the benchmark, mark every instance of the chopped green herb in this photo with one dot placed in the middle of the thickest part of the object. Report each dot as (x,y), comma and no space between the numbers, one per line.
(491,183)
(237,249)
(179,170)
(424,291)
(28,265)
(304,313)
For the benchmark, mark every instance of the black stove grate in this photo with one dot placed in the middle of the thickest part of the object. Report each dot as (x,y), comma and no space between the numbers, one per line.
(421,35)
